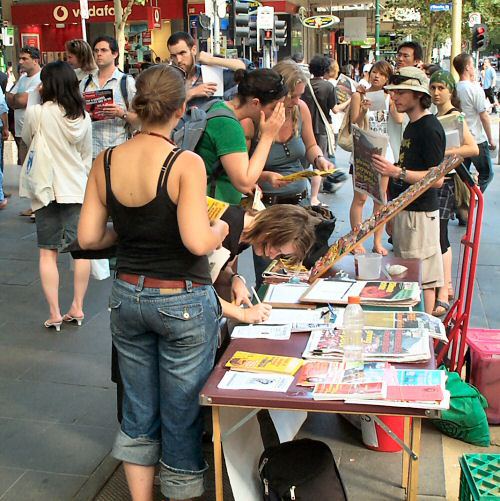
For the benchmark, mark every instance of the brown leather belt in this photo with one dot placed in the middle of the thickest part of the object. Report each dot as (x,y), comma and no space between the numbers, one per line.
(275,198)
(156,283)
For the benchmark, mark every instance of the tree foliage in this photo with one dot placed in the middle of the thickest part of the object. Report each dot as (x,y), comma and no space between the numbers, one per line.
(121,17)
(435,27)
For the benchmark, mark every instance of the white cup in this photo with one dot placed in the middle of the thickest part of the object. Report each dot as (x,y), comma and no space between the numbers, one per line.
(368,266)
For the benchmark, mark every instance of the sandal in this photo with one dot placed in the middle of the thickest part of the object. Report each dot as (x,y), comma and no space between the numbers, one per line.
(440,309)
(321,204)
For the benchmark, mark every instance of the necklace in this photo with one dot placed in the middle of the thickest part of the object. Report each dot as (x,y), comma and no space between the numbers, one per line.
(157,134)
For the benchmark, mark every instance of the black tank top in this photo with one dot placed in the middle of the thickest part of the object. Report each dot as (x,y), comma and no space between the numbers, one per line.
(149,241)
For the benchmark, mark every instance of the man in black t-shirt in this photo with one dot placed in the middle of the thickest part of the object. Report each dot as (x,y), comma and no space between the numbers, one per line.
(415,232)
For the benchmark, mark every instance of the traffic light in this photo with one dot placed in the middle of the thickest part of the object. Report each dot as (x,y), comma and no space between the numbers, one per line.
(252,34)
(479,37)
(280,34)
(241,19)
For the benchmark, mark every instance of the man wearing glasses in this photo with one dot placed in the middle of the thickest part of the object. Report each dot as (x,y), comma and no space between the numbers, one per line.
(415,231)
(115,128)
(183,54)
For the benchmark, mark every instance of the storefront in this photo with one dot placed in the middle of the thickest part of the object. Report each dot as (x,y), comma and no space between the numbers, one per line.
(56,23)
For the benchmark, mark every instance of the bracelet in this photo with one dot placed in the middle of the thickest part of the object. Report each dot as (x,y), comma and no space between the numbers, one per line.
(241,277)
(314,161)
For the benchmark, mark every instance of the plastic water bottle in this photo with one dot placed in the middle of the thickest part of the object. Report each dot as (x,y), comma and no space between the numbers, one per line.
(352,331)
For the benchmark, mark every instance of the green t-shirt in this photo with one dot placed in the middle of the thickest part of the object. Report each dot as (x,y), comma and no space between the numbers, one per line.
(222,136)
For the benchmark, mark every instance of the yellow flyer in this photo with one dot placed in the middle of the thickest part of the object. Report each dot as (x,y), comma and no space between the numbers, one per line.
(215,208)
(259,362)
(305,174)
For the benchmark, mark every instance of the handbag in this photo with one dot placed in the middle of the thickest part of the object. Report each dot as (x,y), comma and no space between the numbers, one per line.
(99,269)
(37,173)
(344,139)
(328,126)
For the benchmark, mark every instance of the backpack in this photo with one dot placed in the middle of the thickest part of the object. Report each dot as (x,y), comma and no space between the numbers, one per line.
(298,470)
(124,92)
(190,129)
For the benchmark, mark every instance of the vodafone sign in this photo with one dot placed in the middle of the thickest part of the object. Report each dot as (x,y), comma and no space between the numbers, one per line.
(98,12)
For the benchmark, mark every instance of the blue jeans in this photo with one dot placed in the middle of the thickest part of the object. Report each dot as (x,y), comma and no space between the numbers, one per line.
(2,196)
(166,346)
(483,165)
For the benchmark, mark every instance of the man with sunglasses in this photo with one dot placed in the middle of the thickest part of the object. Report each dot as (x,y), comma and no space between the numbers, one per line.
(184,55)
(415,231)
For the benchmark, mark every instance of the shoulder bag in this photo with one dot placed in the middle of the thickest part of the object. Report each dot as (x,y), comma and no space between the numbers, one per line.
(37,173)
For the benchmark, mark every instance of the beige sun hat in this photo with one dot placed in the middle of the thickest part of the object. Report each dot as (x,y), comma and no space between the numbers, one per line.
(409,78)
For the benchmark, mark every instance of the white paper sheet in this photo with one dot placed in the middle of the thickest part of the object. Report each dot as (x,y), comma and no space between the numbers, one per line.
(234,380)
(262,331)
(216,260)
(214,74)
(285,293)
(378,100)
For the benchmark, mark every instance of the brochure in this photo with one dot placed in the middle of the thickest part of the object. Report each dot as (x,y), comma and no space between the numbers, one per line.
(216,208)
(250,381)
(95,100)
(260,362)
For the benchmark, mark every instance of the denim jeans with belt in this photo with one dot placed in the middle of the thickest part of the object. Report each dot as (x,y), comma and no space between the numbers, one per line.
(2,196)
(166,343)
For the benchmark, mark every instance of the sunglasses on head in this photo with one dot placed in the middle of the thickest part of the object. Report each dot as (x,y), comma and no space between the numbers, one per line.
(279,88)
(399,79)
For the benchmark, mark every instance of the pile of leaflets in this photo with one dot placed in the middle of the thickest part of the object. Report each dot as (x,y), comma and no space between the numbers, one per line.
(379,345)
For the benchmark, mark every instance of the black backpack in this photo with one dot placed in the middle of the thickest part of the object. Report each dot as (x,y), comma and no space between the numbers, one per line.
(301,470)
(190,129)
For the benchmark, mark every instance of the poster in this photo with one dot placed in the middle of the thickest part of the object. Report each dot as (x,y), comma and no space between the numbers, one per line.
(30,40)
(366,179)
(344,89)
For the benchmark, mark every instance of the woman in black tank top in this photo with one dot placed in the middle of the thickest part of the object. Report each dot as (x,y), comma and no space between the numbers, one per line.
(164,311)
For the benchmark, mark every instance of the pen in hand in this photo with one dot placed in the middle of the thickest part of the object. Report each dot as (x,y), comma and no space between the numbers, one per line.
(255,295)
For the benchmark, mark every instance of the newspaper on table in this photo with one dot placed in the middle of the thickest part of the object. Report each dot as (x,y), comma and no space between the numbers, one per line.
(366,179)
(379,345)
(233,380)
(262,331)
(400,320)
(303,320)
(453,126)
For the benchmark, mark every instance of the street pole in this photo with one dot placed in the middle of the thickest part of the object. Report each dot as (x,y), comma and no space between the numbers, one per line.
(377,30)
(456,33)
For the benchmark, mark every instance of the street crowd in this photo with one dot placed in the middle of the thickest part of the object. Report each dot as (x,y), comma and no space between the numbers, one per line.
(122,185)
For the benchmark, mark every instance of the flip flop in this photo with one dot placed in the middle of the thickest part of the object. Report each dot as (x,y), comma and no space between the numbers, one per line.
(440,309)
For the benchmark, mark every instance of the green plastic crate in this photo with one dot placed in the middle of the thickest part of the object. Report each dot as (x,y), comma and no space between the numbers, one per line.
(480,477)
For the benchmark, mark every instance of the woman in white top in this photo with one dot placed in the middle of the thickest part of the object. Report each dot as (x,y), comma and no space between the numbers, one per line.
(80,57)
(378,121)
(66,128)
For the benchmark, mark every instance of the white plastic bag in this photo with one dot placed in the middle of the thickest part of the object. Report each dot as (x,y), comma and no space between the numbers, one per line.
(99,269)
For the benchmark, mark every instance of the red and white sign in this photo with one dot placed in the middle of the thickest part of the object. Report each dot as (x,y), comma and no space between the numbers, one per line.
(30,40)
(146,38)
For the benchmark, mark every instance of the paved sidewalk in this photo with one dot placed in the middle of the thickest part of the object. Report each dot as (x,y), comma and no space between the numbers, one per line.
(57,404)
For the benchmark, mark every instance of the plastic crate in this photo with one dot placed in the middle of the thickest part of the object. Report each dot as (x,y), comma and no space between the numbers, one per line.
(485,368)
(479,477)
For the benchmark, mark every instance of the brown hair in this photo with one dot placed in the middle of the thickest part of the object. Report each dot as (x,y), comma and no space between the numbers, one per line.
(292,75)
(283,224)
(334,68)
(83,52)
(461,61)
(160,93)
(384,68)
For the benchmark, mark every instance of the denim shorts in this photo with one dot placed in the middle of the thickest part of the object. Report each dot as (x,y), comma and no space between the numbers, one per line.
(57,225)
(166,346)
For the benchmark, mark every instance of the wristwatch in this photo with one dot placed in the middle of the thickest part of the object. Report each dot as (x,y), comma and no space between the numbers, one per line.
(402,174)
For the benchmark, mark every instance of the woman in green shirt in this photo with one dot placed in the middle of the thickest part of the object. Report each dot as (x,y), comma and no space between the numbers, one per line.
(223,145)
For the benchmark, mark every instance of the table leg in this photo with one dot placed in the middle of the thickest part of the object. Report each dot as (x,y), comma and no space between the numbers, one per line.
(219,486)
(406,456)
(412,489)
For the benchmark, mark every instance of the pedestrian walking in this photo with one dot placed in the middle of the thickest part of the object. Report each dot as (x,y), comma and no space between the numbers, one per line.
(66,128)
(164,310)
(476,115)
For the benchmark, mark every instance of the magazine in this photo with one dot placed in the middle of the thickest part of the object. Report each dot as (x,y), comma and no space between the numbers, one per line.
(396,345)
(260,362)
(280,271)
(434,404)
(375,293)
(341,391)
(95,100)
(366,179)
(250,381)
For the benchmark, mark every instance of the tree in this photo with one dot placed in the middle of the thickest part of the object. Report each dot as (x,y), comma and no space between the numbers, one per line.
(121,16)
(435,27)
